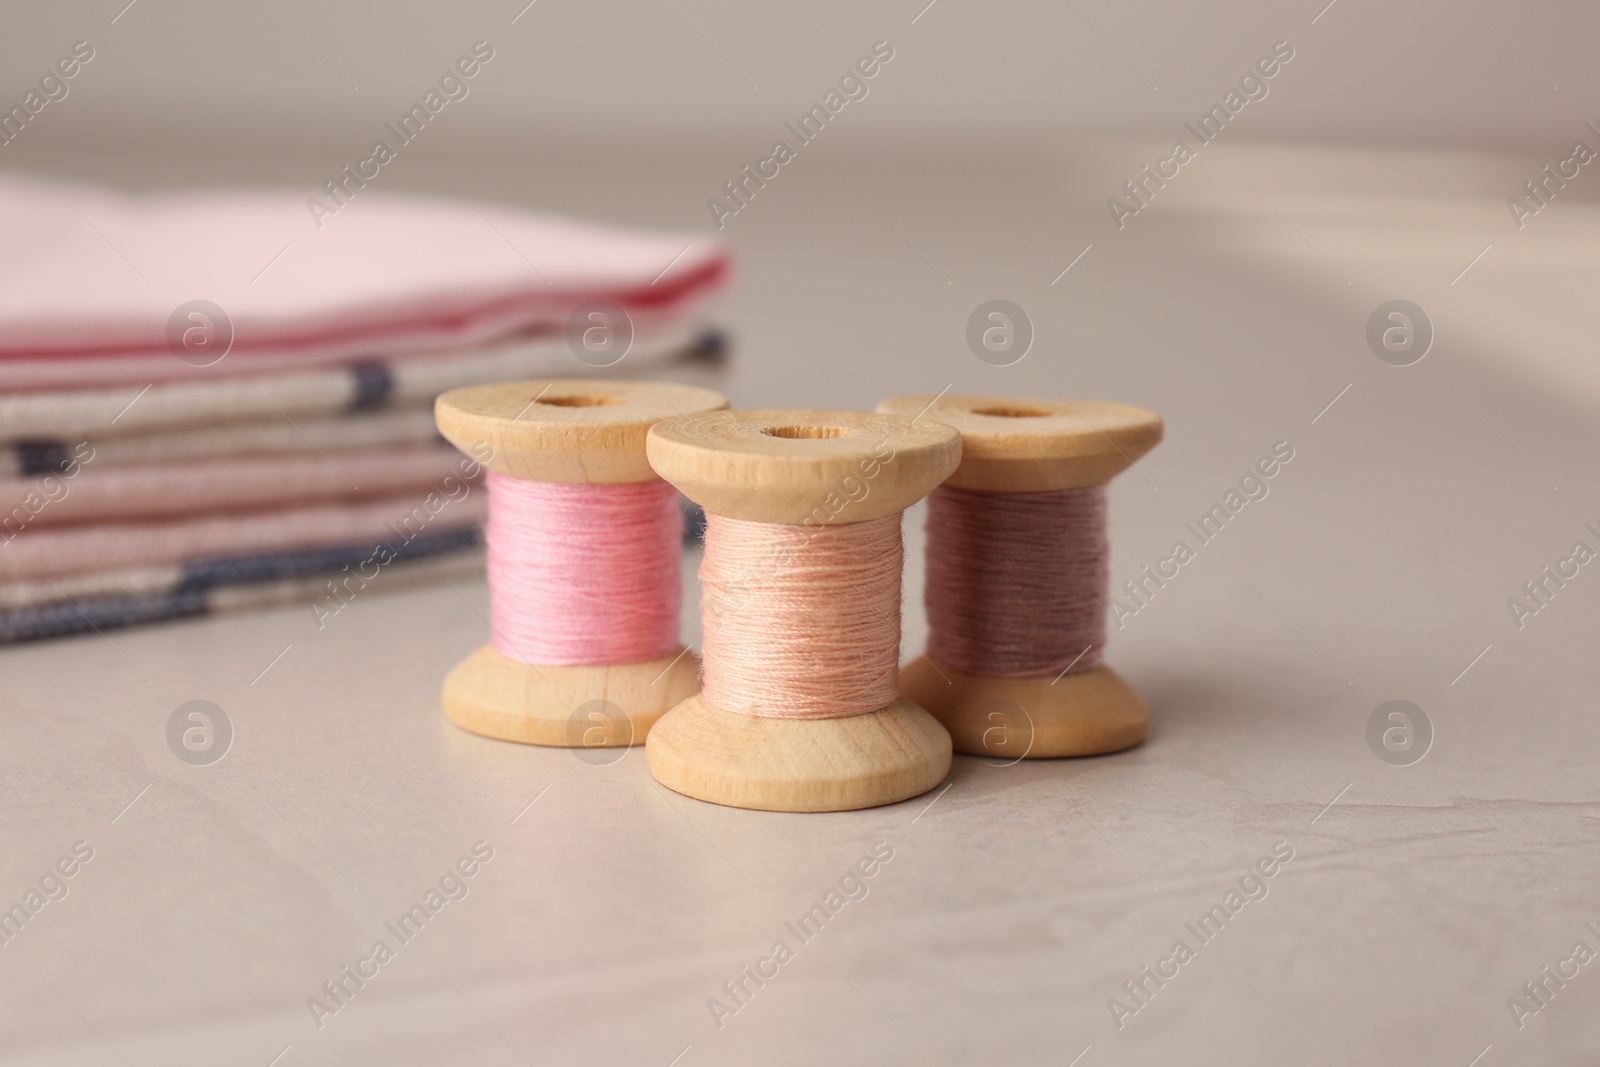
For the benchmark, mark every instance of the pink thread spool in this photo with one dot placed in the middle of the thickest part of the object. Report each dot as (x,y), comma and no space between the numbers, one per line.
(1017,577)
(800,601)
(583,562)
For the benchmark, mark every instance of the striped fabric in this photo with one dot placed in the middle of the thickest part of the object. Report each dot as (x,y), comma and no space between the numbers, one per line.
(245,417)
(44,554)
(400,427)
(118,598)
(26,418)
(86,492)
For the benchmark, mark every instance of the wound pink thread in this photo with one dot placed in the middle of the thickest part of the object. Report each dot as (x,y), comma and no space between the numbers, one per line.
(1017,583)
(801,622)
(583,574)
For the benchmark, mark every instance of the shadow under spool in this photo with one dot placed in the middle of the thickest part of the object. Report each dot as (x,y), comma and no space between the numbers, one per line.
(1023,679)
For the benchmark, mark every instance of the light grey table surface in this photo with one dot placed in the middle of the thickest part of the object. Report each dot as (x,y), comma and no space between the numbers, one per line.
(1019,899)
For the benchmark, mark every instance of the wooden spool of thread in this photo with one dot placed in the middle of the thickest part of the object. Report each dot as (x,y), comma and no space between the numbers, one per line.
(800,603)
(1018,581)
(568,457)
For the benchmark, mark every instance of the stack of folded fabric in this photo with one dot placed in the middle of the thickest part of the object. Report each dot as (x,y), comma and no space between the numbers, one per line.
(208,402)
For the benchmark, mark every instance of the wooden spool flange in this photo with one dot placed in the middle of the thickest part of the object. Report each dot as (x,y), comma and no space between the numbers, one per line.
(1015,445)
(575,432)
(795,468)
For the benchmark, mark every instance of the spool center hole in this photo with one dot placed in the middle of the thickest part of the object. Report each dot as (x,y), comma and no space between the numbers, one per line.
(808,433)
(1013,411)
(580,401)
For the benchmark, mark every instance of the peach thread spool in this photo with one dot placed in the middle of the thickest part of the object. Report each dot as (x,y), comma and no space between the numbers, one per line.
(1004,705)
(588,433)
(800,602)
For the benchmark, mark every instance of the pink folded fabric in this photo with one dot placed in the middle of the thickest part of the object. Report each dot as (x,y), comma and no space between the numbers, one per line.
(396,519)
(89,273)
(92,493)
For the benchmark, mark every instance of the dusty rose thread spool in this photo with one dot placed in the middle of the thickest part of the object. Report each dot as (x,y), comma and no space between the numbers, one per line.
(1018,579)
(800,604)
(569,594)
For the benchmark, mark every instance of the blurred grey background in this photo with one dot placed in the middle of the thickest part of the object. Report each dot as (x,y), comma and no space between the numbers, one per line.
(209,81)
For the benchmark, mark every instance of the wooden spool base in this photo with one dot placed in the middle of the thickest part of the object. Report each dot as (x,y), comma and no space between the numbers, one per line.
(746,761)
(1088,713)
(490,693)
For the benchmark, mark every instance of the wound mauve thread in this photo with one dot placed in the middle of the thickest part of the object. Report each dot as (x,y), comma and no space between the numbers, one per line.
(1017,583)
